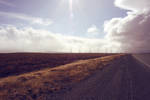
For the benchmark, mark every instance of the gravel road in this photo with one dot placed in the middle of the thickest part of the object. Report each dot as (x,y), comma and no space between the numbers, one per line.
(125,79)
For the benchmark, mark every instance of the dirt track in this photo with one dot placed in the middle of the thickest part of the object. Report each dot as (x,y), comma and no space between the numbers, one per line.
(125,79)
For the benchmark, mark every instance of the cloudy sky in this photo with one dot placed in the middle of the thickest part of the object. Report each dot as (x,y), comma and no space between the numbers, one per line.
(74,25)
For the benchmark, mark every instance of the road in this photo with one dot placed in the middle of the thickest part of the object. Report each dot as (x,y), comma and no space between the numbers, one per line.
(125,79)
(144,58)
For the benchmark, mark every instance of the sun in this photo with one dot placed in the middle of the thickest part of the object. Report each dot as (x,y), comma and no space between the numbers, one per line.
(71,8)
(71,4)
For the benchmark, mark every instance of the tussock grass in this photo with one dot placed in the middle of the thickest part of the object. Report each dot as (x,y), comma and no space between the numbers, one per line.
(39,84)
(20,63)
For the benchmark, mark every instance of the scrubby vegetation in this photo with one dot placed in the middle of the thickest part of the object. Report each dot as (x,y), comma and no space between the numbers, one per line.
(47,83)
(18,63)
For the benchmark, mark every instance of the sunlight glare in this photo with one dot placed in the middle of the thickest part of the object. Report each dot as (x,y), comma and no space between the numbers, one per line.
(71,8)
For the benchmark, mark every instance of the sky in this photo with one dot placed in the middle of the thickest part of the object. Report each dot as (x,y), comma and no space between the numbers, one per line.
(74,25)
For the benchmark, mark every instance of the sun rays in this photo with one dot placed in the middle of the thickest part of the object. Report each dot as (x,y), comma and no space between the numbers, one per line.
(71,8)
(71,5)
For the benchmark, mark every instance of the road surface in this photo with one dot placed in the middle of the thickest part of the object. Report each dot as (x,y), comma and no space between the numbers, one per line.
(143,58)
(126,79)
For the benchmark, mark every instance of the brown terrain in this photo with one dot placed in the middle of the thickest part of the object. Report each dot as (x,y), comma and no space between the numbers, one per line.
(127,78)
(96,77)
(19,63)
(50,80)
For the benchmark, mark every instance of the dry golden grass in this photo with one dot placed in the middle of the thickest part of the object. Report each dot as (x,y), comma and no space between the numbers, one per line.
(19,63)
(37,85)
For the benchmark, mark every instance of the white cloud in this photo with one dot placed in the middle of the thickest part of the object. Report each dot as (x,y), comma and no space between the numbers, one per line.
(6,3)
(93,29)
(32,20)
(133,5)
(131,33)
(27,39)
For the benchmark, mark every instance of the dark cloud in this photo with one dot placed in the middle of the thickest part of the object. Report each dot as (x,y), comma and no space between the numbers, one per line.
(132,32)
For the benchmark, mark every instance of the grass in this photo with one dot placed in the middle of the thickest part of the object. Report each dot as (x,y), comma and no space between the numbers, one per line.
(38,85)
(19,63)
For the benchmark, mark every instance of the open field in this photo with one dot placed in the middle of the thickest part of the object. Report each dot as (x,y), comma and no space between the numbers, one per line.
(47,83)
(108,77)
(18,63)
